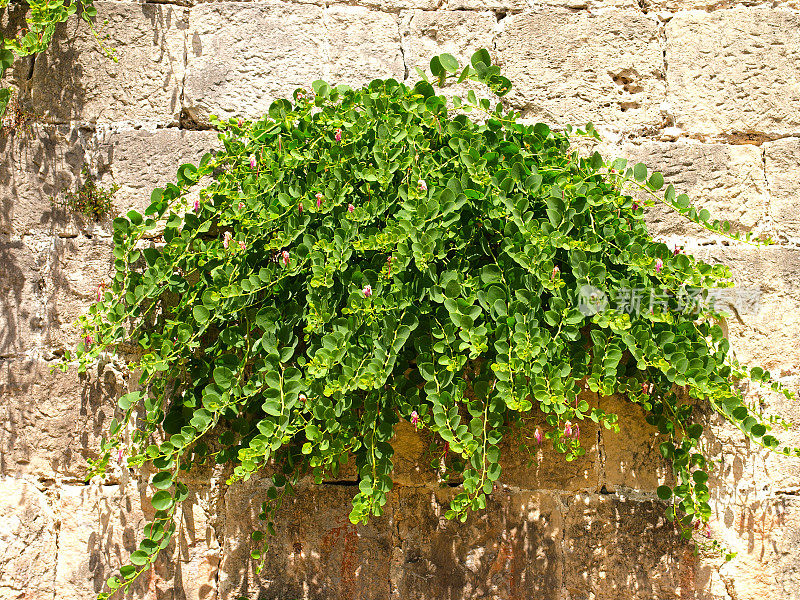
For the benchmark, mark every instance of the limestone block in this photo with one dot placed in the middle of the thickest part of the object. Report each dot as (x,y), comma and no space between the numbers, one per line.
(139,161)
(363,45)
(243,56)
(763,329)
(530,467)
(316,553)
(52,421)
(735,71)
(460,33)
(412,456)
(728,180)
(28,541)
(501,6)
(615,547)
(74,80)
(576,67)
(35,166)
(782,164)
(102,524)
(512,549)
(631,458)
(24,322)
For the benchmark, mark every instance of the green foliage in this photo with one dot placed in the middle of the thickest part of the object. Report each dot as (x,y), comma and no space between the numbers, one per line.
(88,198)
(357,257)
(41,23)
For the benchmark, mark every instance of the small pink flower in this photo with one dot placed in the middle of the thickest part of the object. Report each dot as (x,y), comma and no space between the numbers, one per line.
(635,206)
(252,161)
(87,341)
(414,418)
(242,245)
(241,205)
(226,239)
(338,135)
(100,287)
(659,265)
(422,185)
(285,258)
(367,290)
(537,435)
(300,208)
(319,199)
(119,455)
(239,122)
(197,206)
(350,208)
(302,398)
(555,273)
(568,429)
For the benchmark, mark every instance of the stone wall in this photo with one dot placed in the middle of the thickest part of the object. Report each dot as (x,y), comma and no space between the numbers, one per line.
(708,92)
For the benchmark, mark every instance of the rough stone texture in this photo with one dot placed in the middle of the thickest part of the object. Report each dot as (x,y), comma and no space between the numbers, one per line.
(727,180)
(73,80)
(28,540)
(139,161)
(52,421)
(36,164)
(576,67)
(766,333)
(735,71)
(510,551)
(318,555)
(234,70)
(782,166)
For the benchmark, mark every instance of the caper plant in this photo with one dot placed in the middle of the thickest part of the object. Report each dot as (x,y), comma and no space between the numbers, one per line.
(358,257)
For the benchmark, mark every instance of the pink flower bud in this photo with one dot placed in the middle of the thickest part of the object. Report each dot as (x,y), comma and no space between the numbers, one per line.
(568,429)
(422,185)
(414,418)
(241,205)
(87,341)
(300,208)
(242,245)
(252,161)
(635,206)
(302,398)
(338,135)
(659,265)
(537,435)
(197,206)
(555,273)
(367,290)
(350,208)
(226,239)
(319,199)
(119,455)
(285,258)
(239,122)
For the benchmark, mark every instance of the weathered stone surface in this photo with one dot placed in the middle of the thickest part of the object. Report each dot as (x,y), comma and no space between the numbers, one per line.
(615,547)
(727,180)
(708,5)
(74,80)
(735,71)
(543,468)
(24,322)
(575,67)
(36,165)
(782,165)
(102,524)
(512,550)
(139,161)
(52,421)
(630,457)
(763,329)
(233,69)
(28,541)
(317,553)
(460,33)
(363,45)
(501,6)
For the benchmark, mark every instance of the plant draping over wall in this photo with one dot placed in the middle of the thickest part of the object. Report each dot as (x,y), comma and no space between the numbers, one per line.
(357,257)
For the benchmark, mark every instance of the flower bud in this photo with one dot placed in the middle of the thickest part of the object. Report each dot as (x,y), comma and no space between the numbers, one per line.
(252,161)
(338,135)
(350,208)
(285,258)
(367,290)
